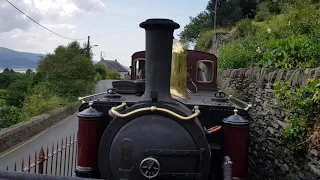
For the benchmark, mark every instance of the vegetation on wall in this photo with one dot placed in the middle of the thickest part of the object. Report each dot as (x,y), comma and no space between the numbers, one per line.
(282,34)
(60,79)
(303,105)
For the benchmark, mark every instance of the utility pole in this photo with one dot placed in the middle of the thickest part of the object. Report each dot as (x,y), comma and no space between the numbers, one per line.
(101,56)
(88,47)
(214,6)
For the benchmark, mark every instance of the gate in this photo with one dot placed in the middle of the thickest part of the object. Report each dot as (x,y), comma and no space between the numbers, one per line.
(62,160)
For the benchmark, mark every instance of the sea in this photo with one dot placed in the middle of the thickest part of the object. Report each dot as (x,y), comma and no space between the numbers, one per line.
(19,70)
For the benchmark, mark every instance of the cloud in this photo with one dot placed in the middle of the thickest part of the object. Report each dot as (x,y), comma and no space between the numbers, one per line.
(90,5)
(47,11)
(10,18)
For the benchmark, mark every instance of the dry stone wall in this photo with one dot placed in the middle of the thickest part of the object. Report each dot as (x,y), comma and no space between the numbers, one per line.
(267,157)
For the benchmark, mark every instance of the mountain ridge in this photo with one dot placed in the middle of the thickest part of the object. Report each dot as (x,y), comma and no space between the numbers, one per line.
(12,59)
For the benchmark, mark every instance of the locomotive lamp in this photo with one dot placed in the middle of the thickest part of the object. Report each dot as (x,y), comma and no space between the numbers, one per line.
(90,132)
(235,137)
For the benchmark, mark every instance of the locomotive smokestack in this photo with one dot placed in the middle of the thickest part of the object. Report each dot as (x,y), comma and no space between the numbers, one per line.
(159,39)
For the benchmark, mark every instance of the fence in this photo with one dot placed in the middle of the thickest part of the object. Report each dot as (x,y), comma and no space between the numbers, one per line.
(52,163)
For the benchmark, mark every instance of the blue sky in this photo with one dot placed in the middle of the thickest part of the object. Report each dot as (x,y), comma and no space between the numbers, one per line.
(100,19)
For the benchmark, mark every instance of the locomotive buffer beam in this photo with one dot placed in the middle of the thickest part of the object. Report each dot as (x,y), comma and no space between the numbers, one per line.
(166,152)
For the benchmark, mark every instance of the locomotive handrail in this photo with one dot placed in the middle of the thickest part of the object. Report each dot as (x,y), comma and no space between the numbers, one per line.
(248,105)
(92,95)
(154,108)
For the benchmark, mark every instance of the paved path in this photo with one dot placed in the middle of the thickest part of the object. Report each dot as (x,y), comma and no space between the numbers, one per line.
(46,138)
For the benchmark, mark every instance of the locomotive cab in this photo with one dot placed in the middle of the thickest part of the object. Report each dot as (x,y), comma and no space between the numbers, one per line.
(167,122)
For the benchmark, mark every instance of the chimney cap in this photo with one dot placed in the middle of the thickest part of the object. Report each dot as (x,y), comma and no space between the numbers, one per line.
(156,22)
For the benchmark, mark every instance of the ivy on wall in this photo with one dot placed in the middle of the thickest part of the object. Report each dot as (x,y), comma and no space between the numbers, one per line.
(303,129)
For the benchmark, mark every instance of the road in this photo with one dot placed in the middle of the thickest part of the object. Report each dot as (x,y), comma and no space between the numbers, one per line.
(46,138)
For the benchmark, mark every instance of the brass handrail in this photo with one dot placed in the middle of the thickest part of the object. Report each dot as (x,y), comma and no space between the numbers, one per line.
(92,95)
(152,109)
(230,97)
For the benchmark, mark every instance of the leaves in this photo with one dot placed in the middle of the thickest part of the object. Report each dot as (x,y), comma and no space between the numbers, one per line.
(68,72)
(304,105)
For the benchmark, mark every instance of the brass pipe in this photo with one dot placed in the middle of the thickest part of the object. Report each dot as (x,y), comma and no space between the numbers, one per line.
(152,109)
(230,97)
(92,95)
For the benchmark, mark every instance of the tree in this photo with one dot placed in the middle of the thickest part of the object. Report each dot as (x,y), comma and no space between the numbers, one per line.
(18,90)
(9,115)
(29,71)
(197,24)
(68,71)
(100,69)
(228,13)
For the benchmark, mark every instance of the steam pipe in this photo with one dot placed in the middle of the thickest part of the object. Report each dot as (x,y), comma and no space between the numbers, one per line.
(230,97)
(159,39)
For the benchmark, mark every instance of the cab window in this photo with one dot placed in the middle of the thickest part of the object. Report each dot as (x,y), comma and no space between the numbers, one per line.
(204,71)
(139,68)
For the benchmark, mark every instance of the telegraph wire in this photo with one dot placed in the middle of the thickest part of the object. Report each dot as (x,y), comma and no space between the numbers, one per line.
(41,24)
(115,33)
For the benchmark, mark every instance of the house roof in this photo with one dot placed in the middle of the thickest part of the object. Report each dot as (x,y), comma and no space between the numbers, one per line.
(114,65)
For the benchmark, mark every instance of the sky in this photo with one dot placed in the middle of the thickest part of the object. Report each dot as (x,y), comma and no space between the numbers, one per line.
(113,25)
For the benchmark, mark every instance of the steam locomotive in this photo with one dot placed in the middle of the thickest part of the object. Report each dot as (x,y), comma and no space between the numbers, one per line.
(170,123)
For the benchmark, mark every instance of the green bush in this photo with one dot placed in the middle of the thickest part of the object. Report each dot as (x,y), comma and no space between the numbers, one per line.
(9,115)
(101,70)
(18,90)
(113,75)
(288,40)
(97,77)
(38,103)
(246,28)
(295,51)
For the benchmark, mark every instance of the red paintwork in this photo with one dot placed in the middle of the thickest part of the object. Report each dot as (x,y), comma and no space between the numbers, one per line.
(193,58)
(235,143)
(89,136)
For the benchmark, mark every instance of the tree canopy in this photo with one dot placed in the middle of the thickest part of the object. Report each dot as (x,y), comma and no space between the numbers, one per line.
(68,71)
(228,13)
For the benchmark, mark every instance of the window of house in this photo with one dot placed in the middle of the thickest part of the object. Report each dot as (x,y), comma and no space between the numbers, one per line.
(204,71)
(139,68)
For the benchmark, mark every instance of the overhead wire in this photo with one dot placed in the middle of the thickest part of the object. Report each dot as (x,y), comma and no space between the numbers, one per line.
(41,24)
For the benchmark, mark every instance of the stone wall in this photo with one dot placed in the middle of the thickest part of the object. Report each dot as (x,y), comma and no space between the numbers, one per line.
(267,157)
(20,132)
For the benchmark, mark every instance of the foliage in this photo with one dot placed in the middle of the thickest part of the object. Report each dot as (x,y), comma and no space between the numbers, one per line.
(304,106)
(245,28)
(60,78)
(113,75)
(9,115)
(286,40)
(295,51)
(68,72)
(101,70)
(205,38)
(18,90)
(197,24)
(228,13)
(6,79)
(97,77)
(266,9)
(36,104)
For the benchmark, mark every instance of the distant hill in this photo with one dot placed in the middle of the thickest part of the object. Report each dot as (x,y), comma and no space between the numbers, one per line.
(15,59)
